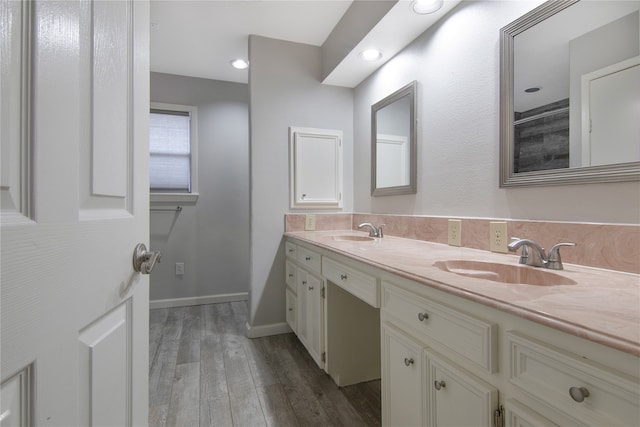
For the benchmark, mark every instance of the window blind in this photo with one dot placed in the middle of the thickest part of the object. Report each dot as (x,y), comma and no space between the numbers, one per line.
(169,151)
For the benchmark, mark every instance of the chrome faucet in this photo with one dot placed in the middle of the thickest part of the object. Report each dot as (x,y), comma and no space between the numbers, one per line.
(532,254)
(373,230)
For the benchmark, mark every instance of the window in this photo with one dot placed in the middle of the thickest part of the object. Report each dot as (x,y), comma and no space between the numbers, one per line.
(173,152)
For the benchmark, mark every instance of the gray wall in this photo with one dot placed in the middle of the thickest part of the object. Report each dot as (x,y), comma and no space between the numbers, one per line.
(456,63)
(285,90)
(212,236)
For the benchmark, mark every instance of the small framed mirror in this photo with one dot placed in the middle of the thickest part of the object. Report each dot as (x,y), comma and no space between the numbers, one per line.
(570,94)
(393,143)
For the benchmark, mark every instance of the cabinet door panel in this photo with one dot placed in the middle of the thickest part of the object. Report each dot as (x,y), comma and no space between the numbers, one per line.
(401,379)
(457,398)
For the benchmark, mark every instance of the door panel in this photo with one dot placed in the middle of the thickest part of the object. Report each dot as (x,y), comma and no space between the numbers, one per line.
(74,314)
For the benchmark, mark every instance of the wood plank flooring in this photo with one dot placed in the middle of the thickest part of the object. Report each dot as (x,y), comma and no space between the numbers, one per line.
(204,371)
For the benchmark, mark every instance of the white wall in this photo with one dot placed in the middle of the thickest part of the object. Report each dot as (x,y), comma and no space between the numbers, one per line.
(212,237)
(456,63)
(285,90)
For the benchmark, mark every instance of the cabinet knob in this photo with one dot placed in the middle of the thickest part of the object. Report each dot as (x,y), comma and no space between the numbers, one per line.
(290,274)
(304,282)
(439,384)
(308,258)
(408,361)
(343,277)
(578,393)
(290,309)
(423,316)
(310,288)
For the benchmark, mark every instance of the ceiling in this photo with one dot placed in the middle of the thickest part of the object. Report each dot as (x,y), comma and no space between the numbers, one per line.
(200,38)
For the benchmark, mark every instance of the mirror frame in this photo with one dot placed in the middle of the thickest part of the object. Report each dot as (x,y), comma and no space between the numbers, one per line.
(580,175)
(411,188)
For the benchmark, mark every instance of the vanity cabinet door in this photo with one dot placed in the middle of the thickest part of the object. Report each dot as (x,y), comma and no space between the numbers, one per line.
(292,309)
(456,397)
(402,391)
(311,314)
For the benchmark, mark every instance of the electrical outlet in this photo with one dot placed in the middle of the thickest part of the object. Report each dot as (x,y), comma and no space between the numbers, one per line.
(310,222)
(455,232)
(498,237)
(179,268)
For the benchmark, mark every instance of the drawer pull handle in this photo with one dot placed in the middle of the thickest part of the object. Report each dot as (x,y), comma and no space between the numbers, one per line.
(408,362)
(439,384)
(304,282)
(423,316)
(343,277)
(291,250)
(290,309)
(308,258)
(290,274)
(310,288)
(578,393)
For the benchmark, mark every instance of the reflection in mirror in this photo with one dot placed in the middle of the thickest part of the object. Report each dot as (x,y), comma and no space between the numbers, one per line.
(570,94)
(393,143)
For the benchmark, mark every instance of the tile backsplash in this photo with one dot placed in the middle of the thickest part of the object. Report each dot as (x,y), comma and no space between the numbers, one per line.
(611,246)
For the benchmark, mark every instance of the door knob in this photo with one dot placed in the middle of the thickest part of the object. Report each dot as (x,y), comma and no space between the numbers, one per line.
(144,260)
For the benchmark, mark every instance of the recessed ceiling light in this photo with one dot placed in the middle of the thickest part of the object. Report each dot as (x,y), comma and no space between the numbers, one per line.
(371,54)
(423,7)
(240,64)
(533,89)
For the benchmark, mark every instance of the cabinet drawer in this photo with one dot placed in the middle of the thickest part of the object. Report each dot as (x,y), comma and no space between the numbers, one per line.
(290,249)
(309,259)
(548,374)
(353,281)
(290,272)
(469,337)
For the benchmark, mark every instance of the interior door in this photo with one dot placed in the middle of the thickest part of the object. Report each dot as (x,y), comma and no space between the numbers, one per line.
(74,191)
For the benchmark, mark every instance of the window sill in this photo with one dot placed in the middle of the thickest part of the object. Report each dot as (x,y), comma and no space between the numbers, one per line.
(173,197)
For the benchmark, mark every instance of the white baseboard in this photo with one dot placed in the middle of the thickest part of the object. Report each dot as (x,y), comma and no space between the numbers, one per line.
(267,330)
(208,299)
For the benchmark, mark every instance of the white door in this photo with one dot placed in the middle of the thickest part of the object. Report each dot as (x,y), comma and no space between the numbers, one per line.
(74,191)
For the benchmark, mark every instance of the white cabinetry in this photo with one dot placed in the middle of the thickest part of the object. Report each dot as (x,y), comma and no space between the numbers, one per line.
(445,360)
(305,299)
(310,314)
(584,392)
(423,387)
(402,391)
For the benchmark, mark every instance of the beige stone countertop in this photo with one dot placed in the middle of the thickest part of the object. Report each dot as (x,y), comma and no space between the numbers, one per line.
(603,306)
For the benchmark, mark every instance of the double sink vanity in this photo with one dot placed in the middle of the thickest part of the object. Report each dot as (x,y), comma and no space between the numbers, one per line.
(462,336)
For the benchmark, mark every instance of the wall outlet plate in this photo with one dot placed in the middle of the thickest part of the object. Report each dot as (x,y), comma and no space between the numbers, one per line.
(455,232)
(310,222)
(498,236)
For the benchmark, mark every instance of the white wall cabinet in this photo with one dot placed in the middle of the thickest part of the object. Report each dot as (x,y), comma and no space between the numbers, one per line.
(315,163)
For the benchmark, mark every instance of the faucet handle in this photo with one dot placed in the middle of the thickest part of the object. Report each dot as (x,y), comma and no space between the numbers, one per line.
(554,261)
(380,234)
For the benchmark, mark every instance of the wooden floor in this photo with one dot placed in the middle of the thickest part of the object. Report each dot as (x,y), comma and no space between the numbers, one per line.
(204,371)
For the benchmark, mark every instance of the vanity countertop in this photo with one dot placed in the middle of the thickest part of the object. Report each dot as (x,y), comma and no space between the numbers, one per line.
(604,305)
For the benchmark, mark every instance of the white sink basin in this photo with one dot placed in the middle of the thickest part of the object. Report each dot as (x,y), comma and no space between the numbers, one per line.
(504,273)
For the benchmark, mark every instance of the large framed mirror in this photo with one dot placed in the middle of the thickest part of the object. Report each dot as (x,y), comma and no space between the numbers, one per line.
(393,143)
(570,94)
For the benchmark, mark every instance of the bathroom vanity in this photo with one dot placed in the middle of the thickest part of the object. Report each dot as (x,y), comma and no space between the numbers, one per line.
(456,346)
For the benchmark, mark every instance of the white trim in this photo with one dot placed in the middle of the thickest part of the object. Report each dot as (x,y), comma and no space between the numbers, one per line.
(173,197)
(207,299)
(267,330)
